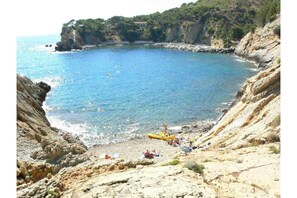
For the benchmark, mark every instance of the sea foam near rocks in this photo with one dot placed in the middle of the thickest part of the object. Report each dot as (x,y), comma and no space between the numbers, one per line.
(53,81)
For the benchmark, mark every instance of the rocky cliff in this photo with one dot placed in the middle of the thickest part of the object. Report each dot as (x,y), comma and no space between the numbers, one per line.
(41,149)
(187,32)
(255,117)
(261,45)
(245,143)
(69,39)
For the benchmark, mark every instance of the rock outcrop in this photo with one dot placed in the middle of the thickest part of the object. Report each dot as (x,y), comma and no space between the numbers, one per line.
(262,45)
(187,32)
(69,39)
(37,141)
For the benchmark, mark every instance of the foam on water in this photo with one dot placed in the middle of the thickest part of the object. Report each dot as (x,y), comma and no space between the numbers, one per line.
(77,129)
(43,48)
(88,133)
(53,81)
(244,60)
(254,69)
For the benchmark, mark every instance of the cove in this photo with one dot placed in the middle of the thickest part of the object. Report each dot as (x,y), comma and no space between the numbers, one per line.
(114,93)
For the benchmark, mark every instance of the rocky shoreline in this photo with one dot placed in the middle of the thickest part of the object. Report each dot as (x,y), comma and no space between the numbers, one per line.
(175,46)
(195,48)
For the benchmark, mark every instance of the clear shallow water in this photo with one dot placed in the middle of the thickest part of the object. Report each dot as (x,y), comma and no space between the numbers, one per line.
(109,94)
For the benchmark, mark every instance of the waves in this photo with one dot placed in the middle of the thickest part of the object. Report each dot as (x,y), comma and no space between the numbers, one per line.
(89,133)
(53,81)
(243,60)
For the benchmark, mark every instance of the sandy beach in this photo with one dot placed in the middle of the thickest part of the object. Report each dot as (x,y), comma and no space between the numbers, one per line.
(133,149)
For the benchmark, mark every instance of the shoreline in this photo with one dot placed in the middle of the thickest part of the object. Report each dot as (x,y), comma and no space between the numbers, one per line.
(195,48)
(189,128)
(133,149)
(166,45)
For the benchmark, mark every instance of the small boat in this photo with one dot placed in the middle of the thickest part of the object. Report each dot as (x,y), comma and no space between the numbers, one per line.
(160,136)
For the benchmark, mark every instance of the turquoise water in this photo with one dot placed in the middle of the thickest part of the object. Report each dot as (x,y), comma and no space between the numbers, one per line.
(114,93)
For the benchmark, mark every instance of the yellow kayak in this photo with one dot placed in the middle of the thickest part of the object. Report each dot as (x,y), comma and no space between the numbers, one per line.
(160,136)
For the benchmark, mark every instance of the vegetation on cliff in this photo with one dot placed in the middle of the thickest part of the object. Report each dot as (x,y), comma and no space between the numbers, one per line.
(199,22)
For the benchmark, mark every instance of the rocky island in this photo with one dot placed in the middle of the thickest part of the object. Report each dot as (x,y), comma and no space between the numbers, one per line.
(238,157)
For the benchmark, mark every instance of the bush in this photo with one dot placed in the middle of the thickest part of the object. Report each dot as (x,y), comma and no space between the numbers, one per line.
(274,150)
(236,33)
(276,122)
(192,165)
(268,12)
(173,162)
(273,138)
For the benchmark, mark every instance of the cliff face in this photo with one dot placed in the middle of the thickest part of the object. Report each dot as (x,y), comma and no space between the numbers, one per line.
(262,45)
(41,149)
(187,32)
(255,118)
(69,39)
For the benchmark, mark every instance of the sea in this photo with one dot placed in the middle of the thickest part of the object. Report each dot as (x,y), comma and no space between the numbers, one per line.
(116,93)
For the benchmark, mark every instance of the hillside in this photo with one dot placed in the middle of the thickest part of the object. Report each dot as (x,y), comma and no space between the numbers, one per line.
(220,23)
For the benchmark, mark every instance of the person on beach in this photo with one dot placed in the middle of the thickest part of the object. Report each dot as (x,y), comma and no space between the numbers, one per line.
(165,129)
(174,142)
(187,149)
(148,154)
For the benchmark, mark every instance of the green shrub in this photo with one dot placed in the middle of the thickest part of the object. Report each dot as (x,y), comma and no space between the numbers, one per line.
(275,122)
(192,165)
(52,193)
(172,163)
(274,150)
(236,33)
(268,11)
